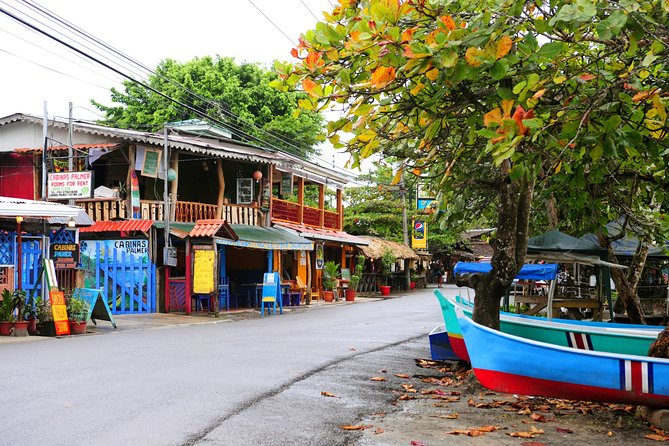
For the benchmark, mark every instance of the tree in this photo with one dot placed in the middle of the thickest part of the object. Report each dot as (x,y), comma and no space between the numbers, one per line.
(497,100)
(238,95)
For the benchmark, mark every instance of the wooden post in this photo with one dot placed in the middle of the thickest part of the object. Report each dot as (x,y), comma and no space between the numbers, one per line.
(300,199)
(340,209)
(189,278)
(221,188)
(321,204)
(174,186)
(167,288)
(269,198)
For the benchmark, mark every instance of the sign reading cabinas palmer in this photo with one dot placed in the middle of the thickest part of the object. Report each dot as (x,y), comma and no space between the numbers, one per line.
(137,247)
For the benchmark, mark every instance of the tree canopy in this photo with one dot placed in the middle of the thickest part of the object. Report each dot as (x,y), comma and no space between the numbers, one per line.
(238,95)
(503,104)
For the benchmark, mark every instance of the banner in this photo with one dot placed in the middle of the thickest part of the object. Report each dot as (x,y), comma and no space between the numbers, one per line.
(419,235)
(70,185)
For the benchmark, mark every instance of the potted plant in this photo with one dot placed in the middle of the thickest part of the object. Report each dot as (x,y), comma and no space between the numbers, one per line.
(77,315)
(387,261)
(355,278)
(30,314)
(330,273)
(20,324)
(45,326)
(413,277)
(6,313)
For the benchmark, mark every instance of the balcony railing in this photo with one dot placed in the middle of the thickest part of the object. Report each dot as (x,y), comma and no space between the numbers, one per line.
(288,211)
(185,211)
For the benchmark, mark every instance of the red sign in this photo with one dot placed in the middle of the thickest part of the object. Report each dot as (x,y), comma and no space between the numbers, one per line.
(59,311)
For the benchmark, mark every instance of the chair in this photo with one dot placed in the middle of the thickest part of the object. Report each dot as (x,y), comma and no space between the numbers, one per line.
(224,293)
(297,292)
(200,299)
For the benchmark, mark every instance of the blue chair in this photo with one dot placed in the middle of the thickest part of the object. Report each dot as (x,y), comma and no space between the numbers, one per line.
(200,299)
(224,293)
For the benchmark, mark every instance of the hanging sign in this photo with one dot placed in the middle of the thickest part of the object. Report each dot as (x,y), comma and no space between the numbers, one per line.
(151,162)
(286,186)
(59,311)
(134,195)
(64,255)
(319,256)
(70,185)
(419,235)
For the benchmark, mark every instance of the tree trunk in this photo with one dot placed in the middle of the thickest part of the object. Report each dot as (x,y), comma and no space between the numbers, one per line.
(626,284)
(509,247)
(552,213)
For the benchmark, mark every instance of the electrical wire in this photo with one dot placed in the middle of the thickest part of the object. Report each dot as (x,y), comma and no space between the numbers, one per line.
(273,24)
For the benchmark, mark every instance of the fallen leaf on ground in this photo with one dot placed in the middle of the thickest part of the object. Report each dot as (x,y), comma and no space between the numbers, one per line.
(379,430)
(378,378)
(355,428)
(417,443)
(521,434)
(406,397)
(656,437)
(352,349)
(564,430)
(409,388)
(475,432)
(450,416)
(402,375)
(331,395)
(532,443)
(538,418)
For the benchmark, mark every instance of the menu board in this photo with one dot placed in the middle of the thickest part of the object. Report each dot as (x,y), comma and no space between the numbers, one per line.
(204,270)
(151,162)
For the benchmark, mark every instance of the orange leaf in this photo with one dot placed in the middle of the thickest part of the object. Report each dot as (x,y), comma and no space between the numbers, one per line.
(331,395)
(379,430)
(539,93)
(521,434)
(382,76)
(310,87)
(448,22)
(404,375)
(355,428)
(518,116)
(314,60)
(409,388)
(293,52)
(493,116)
(507,104)
(378,378)
(656,437)
(503,47)
(432,74)
(642,95)
(587,77)
(472,56)
(407,34)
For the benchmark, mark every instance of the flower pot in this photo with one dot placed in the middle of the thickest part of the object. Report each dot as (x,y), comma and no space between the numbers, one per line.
(20,328)
(350,295)
(385,290)
(6,328)
(77,327)
(412,285)
(32,325)
(46,328)
(328,296)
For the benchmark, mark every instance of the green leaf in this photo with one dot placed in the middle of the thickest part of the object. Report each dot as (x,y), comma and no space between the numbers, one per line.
(520,86)
(612,123)
(551,50)
(534,123)
(596,152)
(500,69)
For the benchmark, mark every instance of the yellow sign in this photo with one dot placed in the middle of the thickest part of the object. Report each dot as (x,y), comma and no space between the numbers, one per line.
(204,272)
(419,235)
(59,311)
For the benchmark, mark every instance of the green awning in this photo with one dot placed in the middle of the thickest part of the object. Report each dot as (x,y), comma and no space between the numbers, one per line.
(259,237)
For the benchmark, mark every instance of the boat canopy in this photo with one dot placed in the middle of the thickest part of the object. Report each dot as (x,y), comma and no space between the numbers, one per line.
(546,271)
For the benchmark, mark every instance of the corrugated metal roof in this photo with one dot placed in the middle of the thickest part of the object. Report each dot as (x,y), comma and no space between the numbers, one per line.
(82,219)
(118,226)
(325,234)
(260,237)
(12,207)
(213,228)
(74,146)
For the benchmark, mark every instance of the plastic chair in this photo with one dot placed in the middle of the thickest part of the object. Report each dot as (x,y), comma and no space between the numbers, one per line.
(200,299)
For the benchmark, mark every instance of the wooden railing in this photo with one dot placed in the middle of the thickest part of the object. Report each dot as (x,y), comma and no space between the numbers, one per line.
(185,211)
(289,212)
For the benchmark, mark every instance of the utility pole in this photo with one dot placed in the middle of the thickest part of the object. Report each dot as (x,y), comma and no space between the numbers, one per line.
(44,135)
(70,149)
(405,229)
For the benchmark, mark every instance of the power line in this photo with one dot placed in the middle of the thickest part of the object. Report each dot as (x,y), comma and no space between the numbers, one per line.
(310,11)
(273,24)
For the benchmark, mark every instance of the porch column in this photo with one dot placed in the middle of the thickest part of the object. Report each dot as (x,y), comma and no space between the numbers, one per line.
(221,189)
(340,209)
(189,278)
(174,186)
(321,204)
(300,199)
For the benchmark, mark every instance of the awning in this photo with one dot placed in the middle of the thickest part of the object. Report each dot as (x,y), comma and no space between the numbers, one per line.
(177,228)
(545,271)
(323,234)
(377,246)
(259,237)
(213,228)
(13,207)
(82,219)
(119,226)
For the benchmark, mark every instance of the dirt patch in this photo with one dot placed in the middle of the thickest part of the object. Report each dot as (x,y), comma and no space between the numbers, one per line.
(443,403)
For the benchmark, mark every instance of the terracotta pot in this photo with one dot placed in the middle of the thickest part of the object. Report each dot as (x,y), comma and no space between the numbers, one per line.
(32,325)
(6,328)
(77,327)
(350,295)
(20,328)
(412,285)
(328,296)
(385,290)
(46,329)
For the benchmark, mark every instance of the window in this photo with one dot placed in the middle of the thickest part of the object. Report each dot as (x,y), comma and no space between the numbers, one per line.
(244,190)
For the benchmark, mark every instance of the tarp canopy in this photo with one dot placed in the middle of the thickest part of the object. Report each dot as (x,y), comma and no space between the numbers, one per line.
(259,237)
(559,241)
(627,245)
(546,271)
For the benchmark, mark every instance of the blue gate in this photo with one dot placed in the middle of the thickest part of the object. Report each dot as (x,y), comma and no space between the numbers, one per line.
(128,281)
(31,261)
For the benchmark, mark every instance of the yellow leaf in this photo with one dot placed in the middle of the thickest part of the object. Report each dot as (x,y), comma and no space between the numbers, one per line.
(472,56)
(558,168)
(417,89)
(507,105)
(493,116)
(559,79)
(378,378)
(382,76)
(395,181)
(539,93)
(503,47)
(432,74)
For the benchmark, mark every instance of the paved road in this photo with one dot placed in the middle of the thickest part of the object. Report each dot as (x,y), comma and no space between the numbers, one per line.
(255,382)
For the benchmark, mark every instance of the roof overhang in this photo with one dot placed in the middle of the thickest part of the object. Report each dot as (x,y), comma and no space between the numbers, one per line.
(18,207)
(323,234)
(260,237)
(119,226)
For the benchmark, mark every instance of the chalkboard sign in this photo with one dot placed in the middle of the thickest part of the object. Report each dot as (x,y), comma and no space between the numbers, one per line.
(286,187)
(151,162)
(97,309)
